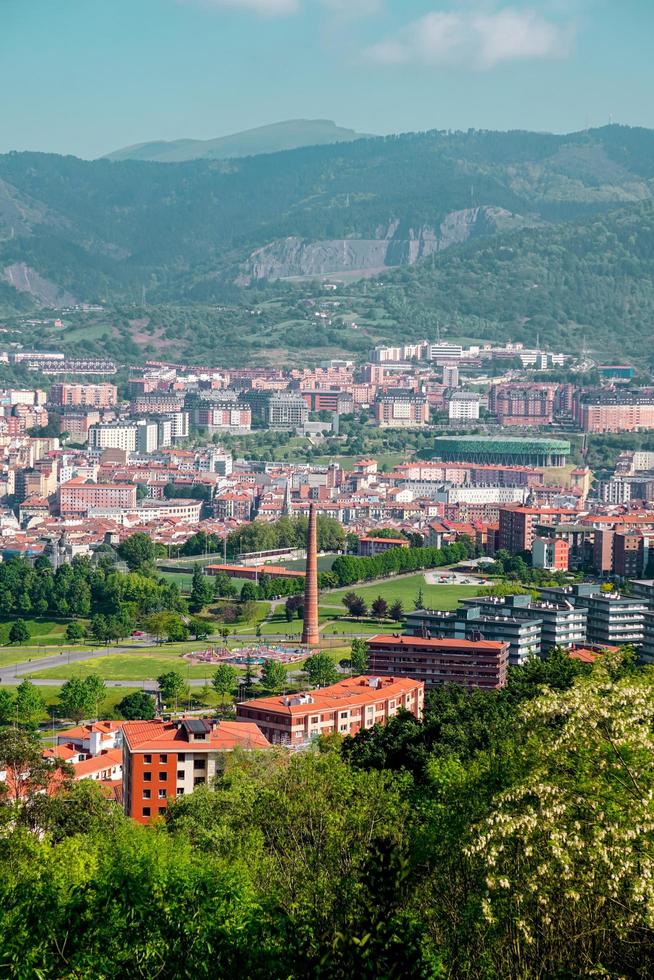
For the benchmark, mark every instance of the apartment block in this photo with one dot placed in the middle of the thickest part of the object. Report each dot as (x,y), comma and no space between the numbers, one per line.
(345,707)
(473,622)
(166,759)
(401,409)
(104,395)
(471,663)
(79,496)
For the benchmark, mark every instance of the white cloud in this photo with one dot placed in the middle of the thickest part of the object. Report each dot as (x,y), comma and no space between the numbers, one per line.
(267,8)
(475,37)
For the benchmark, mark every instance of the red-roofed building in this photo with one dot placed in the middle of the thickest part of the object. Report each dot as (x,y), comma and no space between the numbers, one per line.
(345,707)
(471,663)
(163,759)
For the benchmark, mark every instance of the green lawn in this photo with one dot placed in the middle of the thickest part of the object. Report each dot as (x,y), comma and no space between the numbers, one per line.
(129,666)
(108,708)
(42,631)
(406,590)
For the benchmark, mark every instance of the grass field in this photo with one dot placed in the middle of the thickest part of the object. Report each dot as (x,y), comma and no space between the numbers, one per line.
(406,590)
(42,631)
(129,666)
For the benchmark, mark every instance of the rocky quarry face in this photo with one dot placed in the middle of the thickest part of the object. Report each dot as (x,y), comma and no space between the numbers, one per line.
(392,246)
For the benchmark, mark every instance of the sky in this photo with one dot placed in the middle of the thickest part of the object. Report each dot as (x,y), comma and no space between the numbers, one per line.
(89,76)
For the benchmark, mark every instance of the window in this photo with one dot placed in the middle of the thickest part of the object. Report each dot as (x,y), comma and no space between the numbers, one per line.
(199,763)
(343,714)
(146,811)
(147,777)
(180,773)
(315,720)
(162,810)
(147,794)
(180,791)
(198,780)
(162,794)
(181,757)
(147,759)
(163,776)
(344,728)
(163,759)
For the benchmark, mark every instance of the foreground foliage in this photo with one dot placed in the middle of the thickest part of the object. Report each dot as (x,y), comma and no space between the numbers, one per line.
(510,835)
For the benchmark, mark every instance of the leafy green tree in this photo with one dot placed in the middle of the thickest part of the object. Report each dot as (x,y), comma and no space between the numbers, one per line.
(176,630)
(138,706)
(7,708)
(224,680)
(419,601)
(273,676)
(223,586)
(172,687)
(249,592)
(29,705)
(201,590)
(19,632)
(29,774)
(80,698)
(200,628)
(321,670)
(75,631)
(359,656)
(137,551)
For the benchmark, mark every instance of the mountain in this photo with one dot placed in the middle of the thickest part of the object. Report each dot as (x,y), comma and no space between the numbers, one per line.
(287,135)
(491,231)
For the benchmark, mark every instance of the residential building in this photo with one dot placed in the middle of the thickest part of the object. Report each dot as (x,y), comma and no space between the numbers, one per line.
(369,545)
(79,496)
(104,395)
(551,553)
(463,405)
(166,759)
(614,411)
(345,707)
(522,404)
(113,435)
(473,622)
(474,663)
(616,620)
(398,408)
(278,409)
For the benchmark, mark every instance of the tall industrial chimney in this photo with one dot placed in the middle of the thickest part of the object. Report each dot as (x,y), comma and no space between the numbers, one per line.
(310,634)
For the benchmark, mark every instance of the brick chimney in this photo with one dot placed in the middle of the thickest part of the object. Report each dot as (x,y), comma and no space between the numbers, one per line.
(310,635)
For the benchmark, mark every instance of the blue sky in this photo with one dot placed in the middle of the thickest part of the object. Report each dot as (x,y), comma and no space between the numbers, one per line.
(89,76)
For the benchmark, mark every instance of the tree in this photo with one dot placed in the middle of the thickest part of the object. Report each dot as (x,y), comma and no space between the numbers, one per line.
(224,680)
(419,601)
(321,670)
(75,631)
(223,586)
(249,592)
(201,590)
(359,656)
(28,772)
(172,687)
(7,708)
(396,612)
(157,625)
(200,628)
(19,632)
(177,630)
(358,607)
(380,608)
(81,698)
(137,551)
(29,705)
(138,706)
(273,676)
(348,599)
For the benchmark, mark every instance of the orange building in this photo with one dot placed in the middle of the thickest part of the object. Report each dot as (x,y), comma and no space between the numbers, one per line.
(164,759)
(346,707)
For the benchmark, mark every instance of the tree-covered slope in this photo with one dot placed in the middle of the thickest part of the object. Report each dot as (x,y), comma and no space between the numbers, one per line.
(102,229)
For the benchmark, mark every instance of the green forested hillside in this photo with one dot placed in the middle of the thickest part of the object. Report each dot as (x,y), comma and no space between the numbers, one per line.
(494,234)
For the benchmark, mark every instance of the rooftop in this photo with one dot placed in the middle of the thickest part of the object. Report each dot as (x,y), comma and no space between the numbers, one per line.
(158,735)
